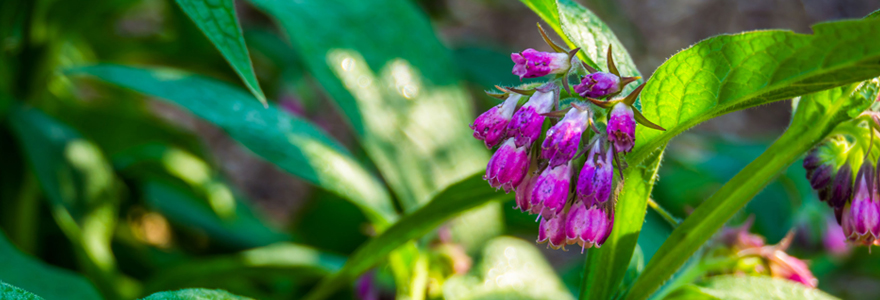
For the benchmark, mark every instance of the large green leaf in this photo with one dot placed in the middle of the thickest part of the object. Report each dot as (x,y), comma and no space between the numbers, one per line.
(292,144)
(82,192)
(815,116)
(732,287)
(281,258)
(10,292)
(195,294)
(396,84)
(733,72)
(457,198)
(48,281)
(217,19)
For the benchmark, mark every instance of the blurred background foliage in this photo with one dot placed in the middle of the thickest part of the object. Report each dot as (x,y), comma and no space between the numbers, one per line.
(141,196)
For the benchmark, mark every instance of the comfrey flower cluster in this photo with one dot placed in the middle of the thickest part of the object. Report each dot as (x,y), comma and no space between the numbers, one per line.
(565,174)
(846,178)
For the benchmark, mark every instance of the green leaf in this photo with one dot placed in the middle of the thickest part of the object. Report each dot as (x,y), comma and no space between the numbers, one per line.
(21,270)
(217,19)
(607,265)
(457,198)
(243,229)
(593,36)
(395,83)
(726,73)
(510,269)
(195,294)
(10,292)
(816,116)
(546,9)
(82,192)
(733,287)
(281,258)
(292,144)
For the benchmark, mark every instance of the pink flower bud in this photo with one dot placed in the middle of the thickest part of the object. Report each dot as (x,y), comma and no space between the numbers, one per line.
(563,138)
(552,230)
(507,167)
(532,63)
(596,179)
(597,85)
(525,127)
(622,128)
(524,193)
(861,218)
(491,126)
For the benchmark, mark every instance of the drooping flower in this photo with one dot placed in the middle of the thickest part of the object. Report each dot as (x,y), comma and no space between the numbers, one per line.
(525,127)
(861,218)
(597,176)
(588,226)
(563,139)
(508,166)
(524,194)
(597,85)
(551,190)
(491,126)
(552,230)
(622,128)
(532,63)
(841,189)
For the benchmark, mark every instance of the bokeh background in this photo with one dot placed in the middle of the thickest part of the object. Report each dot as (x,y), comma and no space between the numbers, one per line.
(481,35)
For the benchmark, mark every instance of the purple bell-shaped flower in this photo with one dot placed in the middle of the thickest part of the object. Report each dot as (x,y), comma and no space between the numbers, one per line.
(563,139)
(508,166)
(491,126)
(525,127)
(532,63)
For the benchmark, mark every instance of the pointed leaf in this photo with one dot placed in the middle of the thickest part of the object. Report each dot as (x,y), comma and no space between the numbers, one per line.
(217,19)
(734,287)
(10,292)
(293,144)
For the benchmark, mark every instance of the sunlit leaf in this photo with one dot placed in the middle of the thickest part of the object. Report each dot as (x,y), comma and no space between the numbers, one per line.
(732,287)
(510,269)
(218,21)
(395,83)
(459,197)
(733,72)
(816,115)
(292,144)
(28,273)
(195,294)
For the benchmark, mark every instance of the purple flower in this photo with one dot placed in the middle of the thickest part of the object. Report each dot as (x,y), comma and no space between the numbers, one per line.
(508,166)
(597,176)
(552,230)
(491,126)
(622,128)
(525,127)
(563,138)
(551,190)
(588,227)
(532,63)
(861,218)
(597,85)
(524,194)
(841,188)
(789,267)
(820,177)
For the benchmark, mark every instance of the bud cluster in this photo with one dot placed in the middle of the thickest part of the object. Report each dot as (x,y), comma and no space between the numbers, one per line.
(565,174)
(749,254)
(848,181)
